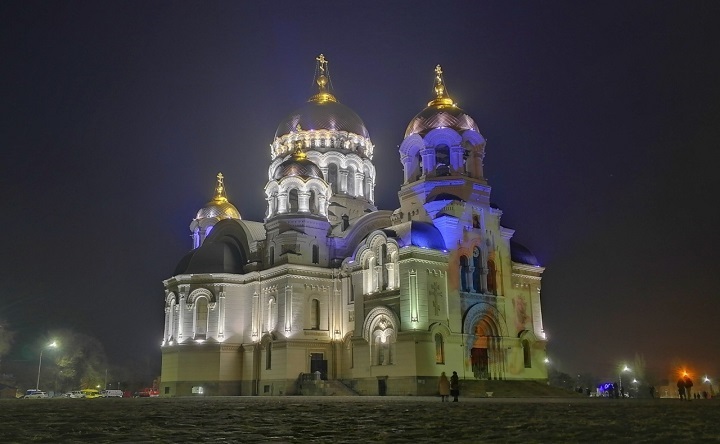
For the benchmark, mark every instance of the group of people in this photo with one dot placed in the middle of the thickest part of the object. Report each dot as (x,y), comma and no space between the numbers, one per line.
(449,387)
(684,386)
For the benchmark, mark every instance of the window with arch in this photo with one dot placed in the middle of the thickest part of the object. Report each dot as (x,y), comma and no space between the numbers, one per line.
(492,277)
(442,160)
(315,254)
(351,181)
(271,314)
(439,349)
(477,270)
(333,177)
(313,202)
(293,205)
(526,353)
(420,172)
(201,317)
(464,271)
(315,314)
(383,267)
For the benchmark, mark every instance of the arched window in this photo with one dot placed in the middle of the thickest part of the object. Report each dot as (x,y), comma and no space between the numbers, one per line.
(313,202)
(442,160)
(383,268)
(420,172)
(464,271)
(351,180)
(201,317)
(477,271)
(293,205)
(333,177)
(268,356)
(315,314)
(439,349)
(491,277)
(315,254)
(526,353)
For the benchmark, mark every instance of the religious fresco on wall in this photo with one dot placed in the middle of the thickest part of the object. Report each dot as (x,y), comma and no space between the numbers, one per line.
(521,316)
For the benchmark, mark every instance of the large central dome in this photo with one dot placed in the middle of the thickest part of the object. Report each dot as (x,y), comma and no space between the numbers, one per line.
(322,115)
(323,124)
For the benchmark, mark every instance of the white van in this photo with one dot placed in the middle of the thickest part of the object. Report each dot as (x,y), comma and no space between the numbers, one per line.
(111,393)
(32,394)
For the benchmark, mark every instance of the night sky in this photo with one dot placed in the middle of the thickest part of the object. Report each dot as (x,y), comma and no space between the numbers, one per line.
(602,120)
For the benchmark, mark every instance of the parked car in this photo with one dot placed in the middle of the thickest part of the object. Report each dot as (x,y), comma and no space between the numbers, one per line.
(90,393)
(33,394)
(75,394)
(111,393)
(147,392)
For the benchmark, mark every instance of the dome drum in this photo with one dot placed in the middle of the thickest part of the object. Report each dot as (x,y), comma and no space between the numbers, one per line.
(322,141)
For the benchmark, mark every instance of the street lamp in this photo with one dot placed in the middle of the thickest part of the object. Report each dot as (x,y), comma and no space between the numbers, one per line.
(709,382)
(53,344)
(625,369)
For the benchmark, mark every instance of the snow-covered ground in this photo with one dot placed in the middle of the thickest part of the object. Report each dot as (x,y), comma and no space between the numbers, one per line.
(357,419)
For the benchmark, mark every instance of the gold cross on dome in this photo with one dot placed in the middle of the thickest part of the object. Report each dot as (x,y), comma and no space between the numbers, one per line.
(322,63)
(220,187)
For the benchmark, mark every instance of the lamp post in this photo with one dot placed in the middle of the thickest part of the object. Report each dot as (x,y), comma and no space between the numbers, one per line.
(625,369)
(53,344)
(709,382)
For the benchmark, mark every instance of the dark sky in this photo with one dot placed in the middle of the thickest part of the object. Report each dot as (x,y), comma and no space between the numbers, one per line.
(602,120)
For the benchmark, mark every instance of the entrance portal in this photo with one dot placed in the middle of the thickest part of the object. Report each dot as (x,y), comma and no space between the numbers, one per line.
(318,364)
(479,362)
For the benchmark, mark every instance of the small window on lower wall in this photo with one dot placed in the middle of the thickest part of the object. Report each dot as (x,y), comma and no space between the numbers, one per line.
(526,353)
(439,349)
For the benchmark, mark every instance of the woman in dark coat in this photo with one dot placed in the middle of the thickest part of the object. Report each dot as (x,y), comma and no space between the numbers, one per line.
(455,386)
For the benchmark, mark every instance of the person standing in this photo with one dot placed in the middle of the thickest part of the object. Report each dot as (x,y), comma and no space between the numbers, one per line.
(443,387)
(688,385)
(455,386)
(681,388)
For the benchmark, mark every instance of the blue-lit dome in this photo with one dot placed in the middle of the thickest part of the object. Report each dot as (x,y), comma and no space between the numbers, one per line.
(520,254)
(418,234)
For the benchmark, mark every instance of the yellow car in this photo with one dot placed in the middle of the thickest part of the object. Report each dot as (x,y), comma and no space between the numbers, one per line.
(90,393)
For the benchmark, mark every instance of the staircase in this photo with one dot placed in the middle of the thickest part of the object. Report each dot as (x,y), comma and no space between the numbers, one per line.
(310,386)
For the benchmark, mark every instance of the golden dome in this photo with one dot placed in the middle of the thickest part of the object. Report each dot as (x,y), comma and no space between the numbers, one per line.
(441,112)
(322,111)
(298,165)
(218,207)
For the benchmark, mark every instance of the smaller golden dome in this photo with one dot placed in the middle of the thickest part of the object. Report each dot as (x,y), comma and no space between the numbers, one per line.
(441,112)
(298,165)
(219,207)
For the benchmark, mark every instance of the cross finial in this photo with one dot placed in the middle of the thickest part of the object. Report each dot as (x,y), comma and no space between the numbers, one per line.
(439,84)
(220,188)
(322,63)
(441,98)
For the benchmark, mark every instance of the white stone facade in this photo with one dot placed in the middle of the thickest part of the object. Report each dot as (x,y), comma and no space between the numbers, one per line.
(380,301)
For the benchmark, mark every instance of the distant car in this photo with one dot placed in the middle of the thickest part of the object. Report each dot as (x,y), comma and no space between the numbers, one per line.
(111,393)
(90,393)
(33,394)
(75,394)
(147,392)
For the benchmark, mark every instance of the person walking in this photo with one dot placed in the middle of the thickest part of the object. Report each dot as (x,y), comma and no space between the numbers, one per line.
(455,386)
(444,387)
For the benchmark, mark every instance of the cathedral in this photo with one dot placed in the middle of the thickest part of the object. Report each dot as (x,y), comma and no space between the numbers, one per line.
(330,291)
